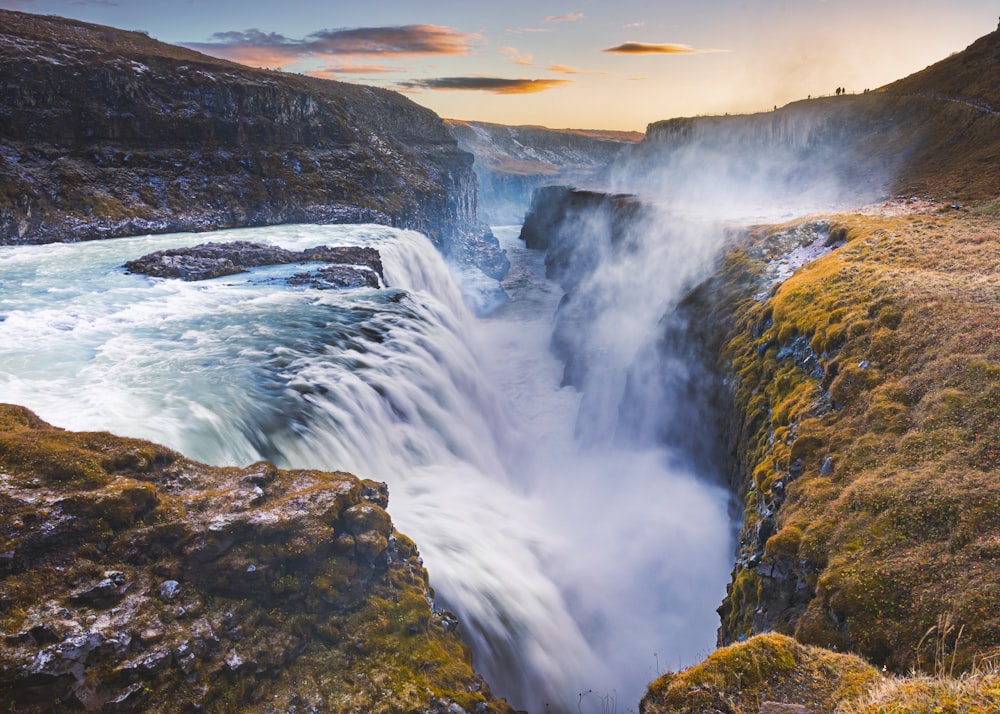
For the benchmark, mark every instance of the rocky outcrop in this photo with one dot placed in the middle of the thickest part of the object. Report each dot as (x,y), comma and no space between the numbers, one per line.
(513,161)
(350,266)
(108,133)
(132,579)
(768,674)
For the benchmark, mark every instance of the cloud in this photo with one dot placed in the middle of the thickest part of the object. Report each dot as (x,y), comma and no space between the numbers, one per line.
(333,72)
(526,30)
(515,56)
(647,48)
(497,85)
(272,49)
(568,17)
(565,69)
(633,25)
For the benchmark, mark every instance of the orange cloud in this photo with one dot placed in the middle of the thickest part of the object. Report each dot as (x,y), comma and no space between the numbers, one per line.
(334,72)
(568,17)
(565,69)
(647,48)
(497,85)
(272,49)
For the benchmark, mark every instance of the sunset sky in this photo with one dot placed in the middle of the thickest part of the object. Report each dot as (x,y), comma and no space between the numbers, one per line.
(580,64)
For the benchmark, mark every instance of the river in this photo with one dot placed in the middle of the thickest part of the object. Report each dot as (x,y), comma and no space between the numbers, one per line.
(580,567)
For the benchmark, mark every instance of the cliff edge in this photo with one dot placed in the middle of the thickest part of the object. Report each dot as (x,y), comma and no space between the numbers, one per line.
(108,133)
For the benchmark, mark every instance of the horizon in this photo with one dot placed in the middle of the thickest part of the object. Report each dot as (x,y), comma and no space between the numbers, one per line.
(565,65)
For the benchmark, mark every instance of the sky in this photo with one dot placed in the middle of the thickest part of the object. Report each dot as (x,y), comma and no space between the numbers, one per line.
(589,64)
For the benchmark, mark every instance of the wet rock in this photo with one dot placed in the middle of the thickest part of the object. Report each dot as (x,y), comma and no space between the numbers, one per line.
(169,589)
(45,634)
(376,493)
(103,593)
(130,700)
(214,571)
(233,660)
(371,544)
(260,474)
(185,657)
(353,266)
(336,277)
(367,517)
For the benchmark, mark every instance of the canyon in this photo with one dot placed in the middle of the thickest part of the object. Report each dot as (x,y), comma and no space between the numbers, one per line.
(787,318)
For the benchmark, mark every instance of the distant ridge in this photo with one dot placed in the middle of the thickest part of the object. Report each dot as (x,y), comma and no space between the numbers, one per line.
(936,131)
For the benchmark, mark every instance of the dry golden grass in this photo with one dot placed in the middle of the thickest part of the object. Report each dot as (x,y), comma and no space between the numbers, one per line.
(904,321)
(975,693)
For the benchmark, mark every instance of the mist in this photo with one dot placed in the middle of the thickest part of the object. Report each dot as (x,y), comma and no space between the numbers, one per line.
(829,154)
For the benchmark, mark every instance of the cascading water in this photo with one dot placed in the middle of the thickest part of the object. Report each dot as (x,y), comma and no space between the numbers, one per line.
(579,564)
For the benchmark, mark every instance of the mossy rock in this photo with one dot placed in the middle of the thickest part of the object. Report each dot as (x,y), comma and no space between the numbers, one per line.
(153,580)
(770,667)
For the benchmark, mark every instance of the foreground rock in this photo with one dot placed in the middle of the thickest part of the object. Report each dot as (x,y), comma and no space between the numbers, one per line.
(132,579)
(108,133)
(352,266)
(769,674)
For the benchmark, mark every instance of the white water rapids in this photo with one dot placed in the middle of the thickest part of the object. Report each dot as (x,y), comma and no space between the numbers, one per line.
(580,569)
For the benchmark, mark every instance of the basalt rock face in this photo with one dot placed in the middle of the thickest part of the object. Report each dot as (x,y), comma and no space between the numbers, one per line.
(107,133)
(132,579)
(513,161)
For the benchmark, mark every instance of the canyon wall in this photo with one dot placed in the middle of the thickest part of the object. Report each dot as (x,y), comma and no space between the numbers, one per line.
(107,133)
(513,161)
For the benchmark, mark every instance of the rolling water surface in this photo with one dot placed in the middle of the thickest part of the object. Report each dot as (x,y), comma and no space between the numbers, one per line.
(581,567)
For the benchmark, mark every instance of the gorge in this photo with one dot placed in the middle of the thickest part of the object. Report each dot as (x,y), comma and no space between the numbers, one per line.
(710,360)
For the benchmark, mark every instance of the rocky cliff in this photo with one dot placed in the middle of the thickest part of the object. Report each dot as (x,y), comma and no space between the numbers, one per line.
(936,131)
(107,133)
(513,161)
(862,375)
(133,579)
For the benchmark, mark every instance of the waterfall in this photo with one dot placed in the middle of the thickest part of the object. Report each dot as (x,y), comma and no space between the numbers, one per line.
(581,566)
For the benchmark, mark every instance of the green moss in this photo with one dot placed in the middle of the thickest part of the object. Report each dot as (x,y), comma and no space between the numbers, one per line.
(784,543)
(764,668)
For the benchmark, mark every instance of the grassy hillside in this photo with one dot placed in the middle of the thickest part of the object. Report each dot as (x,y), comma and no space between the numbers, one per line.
(866,392)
